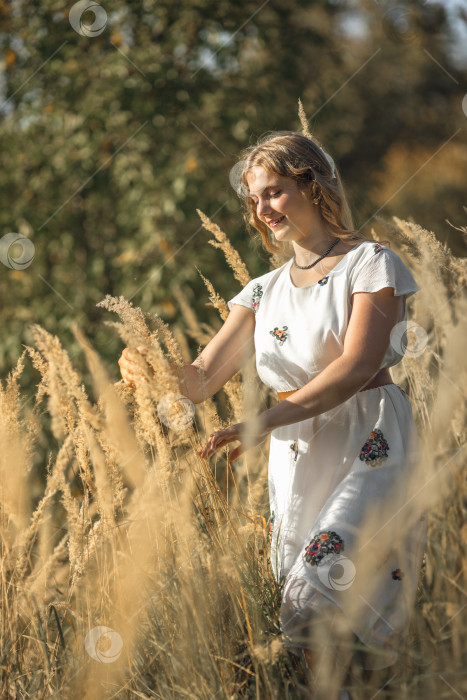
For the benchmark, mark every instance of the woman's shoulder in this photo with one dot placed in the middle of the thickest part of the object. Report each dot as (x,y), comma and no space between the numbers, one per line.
(377,263)
(366,244)
(367,249)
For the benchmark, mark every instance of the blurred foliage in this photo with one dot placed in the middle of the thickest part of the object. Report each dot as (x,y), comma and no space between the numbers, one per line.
(109,143)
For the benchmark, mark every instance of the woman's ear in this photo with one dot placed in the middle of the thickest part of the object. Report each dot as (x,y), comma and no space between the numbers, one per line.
(307,188)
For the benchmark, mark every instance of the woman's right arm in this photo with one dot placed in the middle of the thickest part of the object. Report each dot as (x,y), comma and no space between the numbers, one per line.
(222,357)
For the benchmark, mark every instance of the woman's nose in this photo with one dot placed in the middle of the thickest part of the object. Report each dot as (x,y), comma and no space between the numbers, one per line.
(263,207)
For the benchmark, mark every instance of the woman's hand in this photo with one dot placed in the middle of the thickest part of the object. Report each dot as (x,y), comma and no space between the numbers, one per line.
(128,365)
(229,434)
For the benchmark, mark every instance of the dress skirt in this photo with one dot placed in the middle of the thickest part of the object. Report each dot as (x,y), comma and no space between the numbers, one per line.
(346,536)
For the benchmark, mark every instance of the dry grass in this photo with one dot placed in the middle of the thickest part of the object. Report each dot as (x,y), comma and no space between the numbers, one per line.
(134,531)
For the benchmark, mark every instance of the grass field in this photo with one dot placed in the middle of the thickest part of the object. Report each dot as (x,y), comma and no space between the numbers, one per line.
(136,569)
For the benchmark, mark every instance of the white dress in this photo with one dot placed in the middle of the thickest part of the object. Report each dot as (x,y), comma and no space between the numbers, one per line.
(329,474)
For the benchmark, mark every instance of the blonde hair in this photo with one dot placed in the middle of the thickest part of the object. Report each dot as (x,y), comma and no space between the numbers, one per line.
(293,155)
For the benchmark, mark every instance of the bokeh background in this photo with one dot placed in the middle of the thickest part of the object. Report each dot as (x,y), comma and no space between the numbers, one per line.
(112,138)
(119,125)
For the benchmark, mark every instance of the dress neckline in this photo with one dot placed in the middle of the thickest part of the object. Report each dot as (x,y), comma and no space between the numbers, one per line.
(336,267)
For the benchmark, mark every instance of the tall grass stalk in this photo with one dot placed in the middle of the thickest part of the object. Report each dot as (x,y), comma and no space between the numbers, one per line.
(133,531)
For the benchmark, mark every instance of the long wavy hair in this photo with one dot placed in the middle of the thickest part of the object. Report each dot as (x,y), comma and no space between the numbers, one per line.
(293,155)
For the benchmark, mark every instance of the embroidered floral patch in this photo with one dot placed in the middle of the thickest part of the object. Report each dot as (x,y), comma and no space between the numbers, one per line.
(377,247)
(323,280)
(257,294)
(375,448)
(397,575)
(324,543)
(279,334)
(294,448)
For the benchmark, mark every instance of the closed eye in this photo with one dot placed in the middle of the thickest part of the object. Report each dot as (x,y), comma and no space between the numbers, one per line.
(276,193)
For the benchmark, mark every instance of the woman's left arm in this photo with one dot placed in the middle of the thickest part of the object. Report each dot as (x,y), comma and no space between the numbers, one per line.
(373,316)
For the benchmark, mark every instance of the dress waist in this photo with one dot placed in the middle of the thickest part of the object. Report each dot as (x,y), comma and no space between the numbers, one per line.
(381,378)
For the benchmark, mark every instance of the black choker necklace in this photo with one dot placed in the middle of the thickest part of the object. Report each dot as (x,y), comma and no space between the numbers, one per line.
(307,267)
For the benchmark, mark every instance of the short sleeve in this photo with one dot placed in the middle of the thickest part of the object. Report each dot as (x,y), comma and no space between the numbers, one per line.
(244,298)
(384,269)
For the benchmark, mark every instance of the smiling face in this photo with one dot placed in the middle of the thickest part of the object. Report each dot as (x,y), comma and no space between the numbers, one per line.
(282,206)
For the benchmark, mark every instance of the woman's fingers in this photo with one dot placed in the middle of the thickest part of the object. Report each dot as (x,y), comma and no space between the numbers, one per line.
(230,434)
(126,358)
(127,375)
(128,366)
(220,439)
(125,367)
(207,449)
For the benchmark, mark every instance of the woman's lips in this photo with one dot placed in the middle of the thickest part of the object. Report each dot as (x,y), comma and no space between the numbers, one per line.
(277,222)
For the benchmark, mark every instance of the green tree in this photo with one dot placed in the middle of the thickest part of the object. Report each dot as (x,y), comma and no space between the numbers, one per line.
(111,142)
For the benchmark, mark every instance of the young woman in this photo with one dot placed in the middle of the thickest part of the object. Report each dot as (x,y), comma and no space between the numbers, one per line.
(325,326)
